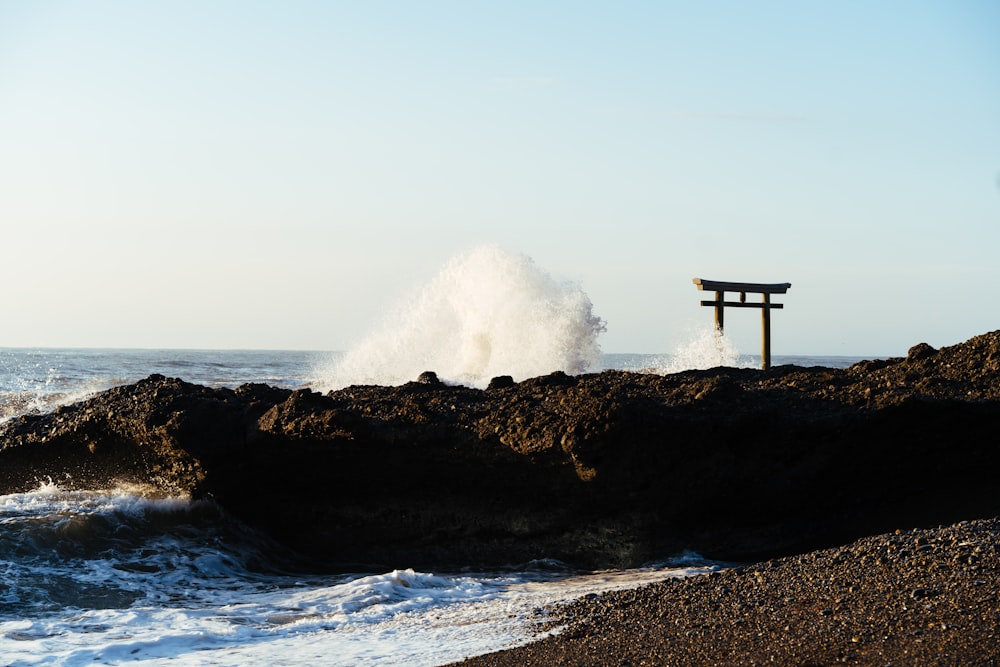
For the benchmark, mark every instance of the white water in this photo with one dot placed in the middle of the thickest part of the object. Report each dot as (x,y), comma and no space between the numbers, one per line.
(487,313)
(114,577)
(706,348)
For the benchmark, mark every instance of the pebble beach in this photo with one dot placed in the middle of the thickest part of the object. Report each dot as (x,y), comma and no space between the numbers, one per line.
(910,597)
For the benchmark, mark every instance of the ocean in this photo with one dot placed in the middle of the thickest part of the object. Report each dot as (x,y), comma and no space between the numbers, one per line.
(126,575)
(129,576)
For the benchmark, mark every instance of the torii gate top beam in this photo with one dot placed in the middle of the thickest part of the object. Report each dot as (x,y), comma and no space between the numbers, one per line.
(755,288)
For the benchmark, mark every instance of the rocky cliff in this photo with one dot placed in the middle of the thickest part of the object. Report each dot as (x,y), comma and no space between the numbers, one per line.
(602,470)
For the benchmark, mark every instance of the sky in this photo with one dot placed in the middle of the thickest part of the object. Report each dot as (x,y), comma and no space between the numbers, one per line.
(275,175)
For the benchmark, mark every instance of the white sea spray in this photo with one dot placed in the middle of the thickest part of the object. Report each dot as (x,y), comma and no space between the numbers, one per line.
(487,313)
(705,347)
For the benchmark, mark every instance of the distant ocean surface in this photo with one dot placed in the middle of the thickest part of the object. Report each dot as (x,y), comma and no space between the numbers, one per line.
(115,576)
(40,379)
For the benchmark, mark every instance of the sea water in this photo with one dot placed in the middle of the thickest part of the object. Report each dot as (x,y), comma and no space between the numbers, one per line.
(128,575)
(123,576)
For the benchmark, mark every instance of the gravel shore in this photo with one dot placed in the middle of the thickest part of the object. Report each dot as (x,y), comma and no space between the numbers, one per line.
(914,597)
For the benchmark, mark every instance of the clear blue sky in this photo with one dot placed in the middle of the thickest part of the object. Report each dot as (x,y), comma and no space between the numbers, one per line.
(274,175)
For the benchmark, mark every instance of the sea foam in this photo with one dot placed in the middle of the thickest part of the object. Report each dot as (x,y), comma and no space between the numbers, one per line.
(94,577)
(487,313)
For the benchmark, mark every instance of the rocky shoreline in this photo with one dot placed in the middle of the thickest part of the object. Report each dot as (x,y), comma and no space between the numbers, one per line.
(914,597)
(610,469)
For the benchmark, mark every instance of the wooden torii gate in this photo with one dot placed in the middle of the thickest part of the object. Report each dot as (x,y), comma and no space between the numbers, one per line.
(764,289)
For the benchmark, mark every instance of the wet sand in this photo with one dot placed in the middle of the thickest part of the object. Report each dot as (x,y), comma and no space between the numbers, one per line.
(913,597)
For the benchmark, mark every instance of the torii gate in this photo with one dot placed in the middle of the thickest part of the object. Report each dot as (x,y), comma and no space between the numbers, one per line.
(764,289)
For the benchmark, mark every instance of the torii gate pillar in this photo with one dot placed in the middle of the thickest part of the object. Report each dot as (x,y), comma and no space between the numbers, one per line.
(764,289)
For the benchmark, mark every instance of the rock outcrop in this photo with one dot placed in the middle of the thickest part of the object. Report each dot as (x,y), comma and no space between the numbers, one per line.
(602,470)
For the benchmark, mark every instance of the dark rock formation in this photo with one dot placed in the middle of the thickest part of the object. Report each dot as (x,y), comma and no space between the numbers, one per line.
(608,469)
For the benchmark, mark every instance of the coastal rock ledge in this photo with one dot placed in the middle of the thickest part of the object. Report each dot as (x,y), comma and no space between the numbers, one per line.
(610,469)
